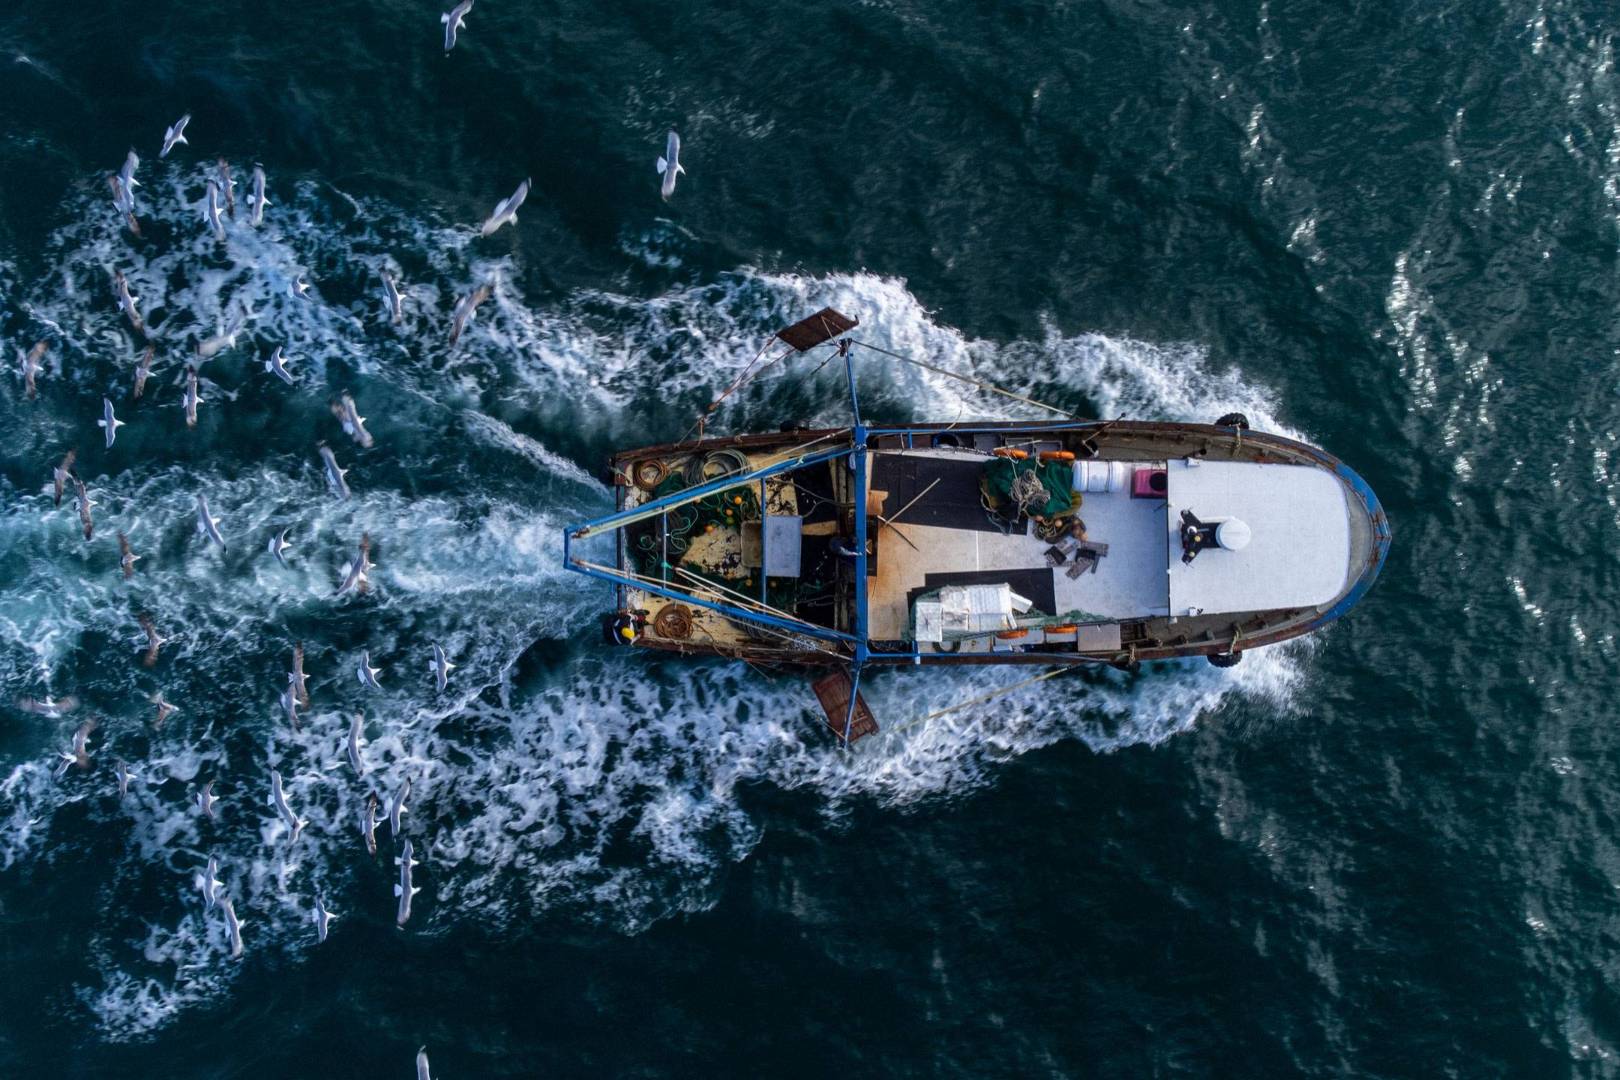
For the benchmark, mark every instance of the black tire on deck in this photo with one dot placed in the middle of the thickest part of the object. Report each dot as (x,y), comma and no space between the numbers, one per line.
(1233,419)
(1225,659)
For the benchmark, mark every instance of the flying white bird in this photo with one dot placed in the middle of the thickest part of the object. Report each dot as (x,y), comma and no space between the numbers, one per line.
(669,166)
(175,134)
(506,210)
(454,20)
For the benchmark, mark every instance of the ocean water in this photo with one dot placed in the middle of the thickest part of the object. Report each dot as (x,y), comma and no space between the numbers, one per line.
(1386,851)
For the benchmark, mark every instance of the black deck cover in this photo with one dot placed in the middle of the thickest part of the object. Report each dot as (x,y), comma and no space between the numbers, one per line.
(953,504)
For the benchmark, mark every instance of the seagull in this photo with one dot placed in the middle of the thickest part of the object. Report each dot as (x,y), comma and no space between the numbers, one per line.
(295,677)
(175,134)
(454,20)
(121,770)
(143,371)
(51,708)
(83,499)
(441,666)
(108,422)
(465,309)
(323,919)
(279,545)
(163,709)
(256,198)
(211,210)
(334,475)
(278,799)
(396,807)
(405,891)
(207,523)
(79,757)
(127,302)
(669,166)
(210,347)
(354,425)
(126,175)
(126,557)
(355,741)
(62,472)
(154,641)
(192,397)
(206,800)
(233,926)
(222,171)
(506,210)
(29,363)
(277,366)
(366,673)
(289,705)
(210,884)
(124,200)
(299,289)
(421,1055)
(368,825)
(354,574)
(396,302)
(81,737)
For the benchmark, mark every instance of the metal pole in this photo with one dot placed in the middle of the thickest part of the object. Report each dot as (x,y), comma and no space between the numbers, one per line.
(854,692)
(679,498)
(860,542)
(860,456)
(764,549)
(663,547)
(796,626)
(849,372)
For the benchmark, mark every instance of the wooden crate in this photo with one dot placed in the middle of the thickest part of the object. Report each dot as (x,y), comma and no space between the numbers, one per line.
(833,693)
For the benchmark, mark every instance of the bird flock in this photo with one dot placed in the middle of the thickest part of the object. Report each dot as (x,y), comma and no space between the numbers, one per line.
(219,207)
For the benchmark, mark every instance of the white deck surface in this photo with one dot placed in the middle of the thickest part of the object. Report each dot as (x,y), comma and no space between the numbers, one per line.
(1129,582)
(1300,551)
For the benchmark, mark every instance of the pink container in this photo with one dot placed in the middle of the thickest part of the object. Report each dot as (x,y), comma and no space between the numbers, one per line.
(1150,484)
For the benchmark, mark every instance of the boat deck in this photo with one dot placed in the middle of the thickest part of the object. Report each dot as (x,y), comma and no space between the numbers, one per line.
(945,537)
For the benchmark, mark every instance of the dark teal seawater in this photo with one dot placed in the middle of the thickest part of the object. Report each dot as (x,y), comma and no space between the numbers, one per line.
(1389,229)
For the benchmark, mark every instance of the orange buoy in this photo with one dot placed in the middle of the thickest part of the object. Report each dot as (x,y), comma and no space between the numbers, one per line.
(1010,452)
(1063,628)
(1057,455)
(1013,635)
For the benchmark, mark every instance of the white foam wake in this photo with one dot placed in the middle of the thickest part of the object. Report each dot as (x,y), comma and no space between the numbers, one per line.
(552,775)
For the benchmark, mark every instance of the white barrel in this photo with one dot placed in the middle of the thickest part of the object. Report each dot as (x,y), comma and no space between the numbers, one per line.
(1101,477)
(1232,534)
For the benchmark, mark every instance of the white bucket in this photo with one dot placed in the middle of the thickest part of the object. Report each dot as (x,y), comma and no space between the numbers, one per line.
(1101,477)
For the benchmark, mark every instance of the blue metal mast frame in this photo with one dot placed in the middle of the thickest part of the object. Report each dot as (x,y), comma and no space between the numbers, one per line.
(618,577)
(856,640)
(858,448)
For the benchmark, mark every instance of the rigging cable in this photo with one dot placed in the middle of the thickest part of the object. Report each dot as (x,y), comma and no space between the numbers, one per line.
(994,389)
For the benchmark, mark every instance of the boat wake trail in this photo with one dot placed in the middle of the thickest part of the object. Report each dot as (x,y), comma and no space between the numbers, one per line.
(549,776)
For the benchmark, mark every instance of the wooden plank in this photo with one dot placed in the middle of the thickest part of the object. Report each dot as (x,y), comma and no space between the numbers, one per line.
(821,327)
(833,693)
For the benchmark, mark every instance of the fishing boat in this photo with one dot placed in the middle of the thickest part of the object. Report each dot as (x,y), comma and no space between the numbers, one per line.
(1053,543)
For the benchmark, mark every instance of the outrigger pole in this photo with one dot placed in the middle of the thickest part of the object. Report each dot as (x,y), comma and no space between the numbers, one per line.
(858,448)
